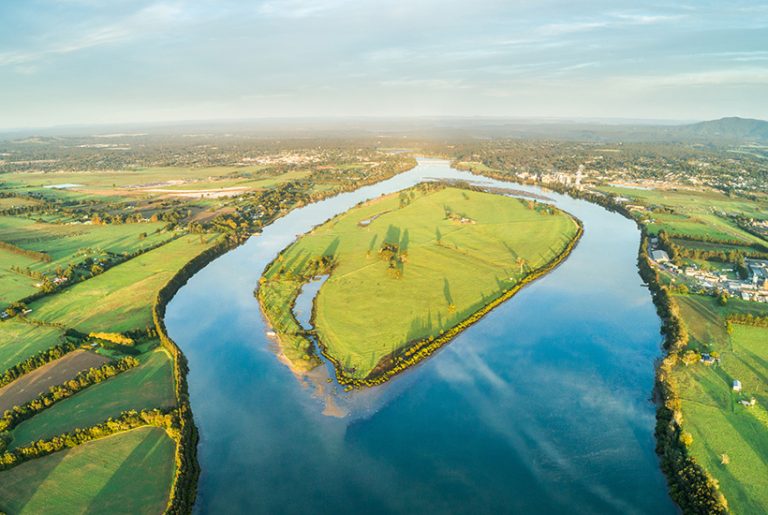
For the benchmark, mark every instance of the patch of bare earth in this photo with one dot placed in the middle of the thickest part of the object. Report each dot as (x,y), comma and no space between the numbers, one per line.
(31,385)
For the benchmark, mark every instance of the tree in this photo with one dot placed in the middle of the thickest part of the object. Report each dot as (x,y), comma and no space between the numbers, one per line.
(686,438)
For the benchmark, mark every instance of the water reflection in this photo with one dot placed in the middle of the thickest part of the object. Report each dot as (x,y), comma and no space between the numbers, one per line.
(541,407)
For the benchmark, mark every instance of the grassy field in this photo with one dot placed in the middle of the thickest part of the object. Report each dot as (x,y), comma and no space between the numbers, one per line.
(148,386)
(64,244)
(19,341)
(456,250)
(695,213)
(120,299)
(126,473)
(711,409)
(37,382)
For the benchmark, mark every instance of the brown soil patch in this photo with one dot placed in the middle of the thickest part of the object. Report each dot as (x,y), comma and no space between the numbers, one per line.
(30,386)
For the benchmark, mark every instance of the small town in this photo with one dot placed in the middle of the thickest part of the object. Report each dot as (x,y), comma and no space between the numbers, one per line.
(753,288)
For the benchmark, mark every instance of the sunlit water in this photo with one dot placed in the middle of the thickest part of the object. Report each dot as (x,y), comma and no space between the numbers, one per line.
(542,407)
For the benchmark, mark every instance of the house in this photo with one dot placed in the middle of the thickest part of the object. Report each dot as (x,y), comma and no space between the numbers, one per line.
(707,359)
(660,256)
(736,385)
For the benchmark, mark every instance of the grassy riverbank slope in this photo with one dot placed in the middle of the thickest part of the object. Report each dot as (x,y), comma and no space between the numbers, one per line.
(407,268)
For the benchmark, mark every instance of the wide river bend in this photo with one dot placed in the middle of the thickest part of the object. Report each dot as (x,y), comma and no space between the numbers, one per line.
(541,407)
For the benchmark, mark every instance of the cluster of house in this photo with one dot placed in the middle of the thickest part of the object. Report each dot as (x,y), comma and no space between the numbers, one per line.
(56,280)
(753,288)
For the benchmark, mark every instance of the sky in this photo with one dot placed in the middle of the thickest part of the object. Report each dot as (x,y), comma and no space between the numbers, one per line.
(68,62)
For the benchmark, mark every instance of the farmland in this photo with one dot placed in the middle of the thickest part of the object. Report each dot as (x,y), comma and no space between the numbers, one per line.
(729,439)
(111,475)
(84,254)
(424,260)
(116,300)
(147,386)
(19,341)
(40,380)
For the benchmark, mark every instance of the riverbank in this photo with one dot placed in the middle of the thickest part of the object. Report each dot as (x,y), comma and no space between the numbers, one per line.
(573,351)
(429,280)
(690,485)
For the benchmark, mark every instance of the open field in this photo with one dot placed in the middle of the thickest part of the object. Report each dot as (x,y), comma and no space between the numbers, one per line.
(161,181)
(19,341)
(70,242)
(420,261)
(11,202)
(120,299)
(148,386)
(711,409)
(695,213)
(31,385)
(125,473)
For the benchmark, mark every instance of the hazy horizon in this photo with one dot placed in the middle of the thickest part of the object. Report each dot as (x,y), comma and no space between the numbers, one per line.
(84,63)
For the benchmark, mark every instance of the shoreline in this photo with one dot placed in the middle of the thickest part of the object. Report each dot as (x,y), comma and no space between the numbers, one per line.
(419,350)
(682,472)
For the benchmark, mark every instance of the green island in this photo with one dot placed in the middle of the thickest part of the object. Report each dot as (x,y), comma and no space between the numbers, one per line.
(406,273)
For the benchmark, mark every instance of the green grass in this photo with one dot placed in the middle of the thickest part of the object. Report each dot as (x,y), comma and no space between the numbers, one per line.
(452,269)
(65,244)
(148,386)
(19,341)
(711,412)
(13,285)
(125,473)
(120,299)
(695,214)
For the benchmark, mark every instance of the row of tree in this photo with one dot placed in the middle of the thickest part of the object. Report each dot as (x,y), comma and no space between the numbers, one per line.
(36,361)
(126,421)
(33,254)
(692,487)
(12,417)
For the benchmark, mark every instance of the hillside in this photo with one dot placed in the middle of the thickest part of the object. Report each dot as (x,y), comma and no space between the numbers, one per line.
(729,128)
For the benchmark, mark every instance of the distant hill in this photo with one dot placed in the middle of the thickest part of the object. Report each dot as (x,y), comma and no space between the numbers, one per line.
(728,128)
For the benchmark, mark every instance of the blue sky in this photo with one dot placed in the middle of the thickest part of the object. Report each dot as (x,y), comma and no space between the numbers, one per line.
(94,61)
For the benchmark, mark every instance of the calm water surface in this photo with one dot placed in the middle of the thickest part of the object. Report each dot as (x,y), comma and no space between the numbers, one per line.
(542,407)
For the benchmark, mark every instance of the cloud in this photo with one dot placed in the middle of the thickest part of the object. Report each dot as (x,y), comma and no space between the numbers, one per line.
(147,19)
(297,8)
(724,77)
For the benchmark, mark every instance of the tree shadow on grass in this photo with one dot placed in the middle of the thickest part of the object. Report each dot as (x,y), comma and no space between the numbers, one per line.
(331,249)
(27,478)
(393,235)
(372,244)
(142,474)
(447,291)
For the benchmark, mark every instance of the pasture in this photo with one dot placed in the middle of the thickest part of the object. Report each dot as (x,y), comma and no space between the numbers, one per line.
(19,341)
(127,473)
(711,409)
(120,299)
(409,266)
(31,385)
(150,385)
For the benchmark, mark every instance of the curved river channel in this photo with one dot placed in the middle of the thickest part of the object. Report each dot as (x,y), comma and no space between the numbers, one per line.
(541,407)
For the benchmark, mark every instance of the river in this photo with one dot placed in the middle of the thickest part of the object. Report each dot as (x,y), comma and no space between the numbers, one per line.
(541,407)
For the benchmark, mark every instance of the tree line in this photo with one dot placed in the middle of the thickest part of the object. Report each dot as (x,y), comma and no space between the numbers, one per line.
(36,361)
(12,417)
(126,421)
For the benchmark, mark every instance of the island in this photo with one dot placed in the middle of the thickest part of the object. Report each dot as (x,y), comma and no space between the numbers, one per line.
(405,273)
